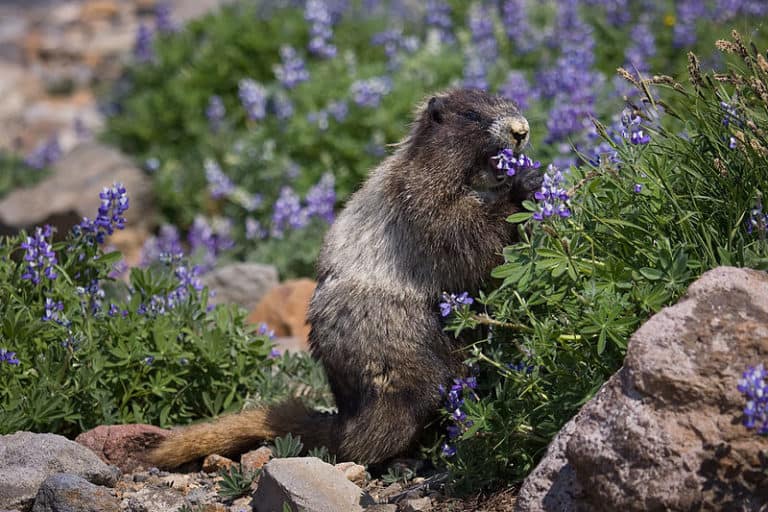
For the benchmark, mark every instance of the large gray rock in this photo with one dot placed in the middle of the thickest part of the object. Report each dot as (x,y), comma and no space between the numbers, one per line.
(71,192)
(241,283)
(306,484)
(64,492)
(665,432)
(27,459)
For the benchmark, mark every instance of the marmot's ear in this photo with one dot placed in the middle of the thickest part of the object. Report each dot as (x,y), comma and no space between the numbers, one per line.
(436,108)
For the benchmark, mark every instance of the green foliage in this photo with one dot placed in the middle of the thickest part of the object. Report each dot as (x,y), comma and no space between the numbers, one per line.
(145,352)
(15,173)
(235,482)
(322,453)
(287,446)
(572,292)
(398,474)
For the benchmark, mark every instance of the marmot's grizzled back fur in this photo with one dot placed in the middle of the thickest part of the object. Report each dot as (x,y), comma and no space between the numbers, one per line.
(430,218)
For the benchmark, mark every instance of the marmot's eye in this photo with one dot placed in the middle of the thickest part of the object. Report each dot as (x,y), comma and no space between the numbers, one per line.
(472,116)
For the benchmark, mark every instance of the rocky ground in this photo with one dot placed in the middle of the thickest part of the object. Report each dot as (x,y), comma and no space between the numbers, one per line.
(100,472)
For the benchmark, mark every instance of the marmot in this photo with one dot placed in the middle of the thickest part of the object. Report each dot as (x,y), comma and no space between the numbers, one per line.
(430,218)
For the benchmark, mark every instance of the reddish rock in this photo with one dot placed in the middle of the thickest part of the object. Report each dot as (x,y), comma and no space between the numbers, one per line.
(215,463)
(255,459)
(665,432)
(122,445)
(284,309)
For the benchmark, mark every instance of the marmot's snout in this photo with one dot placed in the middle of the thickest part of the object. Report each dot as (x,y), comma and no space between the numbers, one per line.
(511,131)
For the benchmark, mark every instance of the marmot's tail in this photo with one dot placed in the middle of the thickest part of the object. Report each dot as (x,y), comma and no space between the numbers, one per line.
(237,433)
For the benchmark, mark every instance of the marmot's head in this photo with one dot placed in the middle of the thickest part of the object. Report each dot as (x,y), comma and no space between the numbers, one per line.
(454,138)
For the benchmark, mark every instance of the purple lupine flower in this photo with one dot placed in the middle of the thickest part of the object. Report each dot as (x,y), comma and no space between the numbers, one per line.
(475,72)
(253,96)
(731,114)
(91,297)
(753,386)
(453,402)
(8,357)
(287,212)
(45,153)
(520,367)
(339,110)
(757,220)
(210,239)
(394,42)
(253,229)
(52,310)
(39,258)
(282,106)
(511,164)
(149,360)
(448,450)
(164,18)
(368,93)
(552,196)
(189,277)
(617,12)
(480,21)
(291,72)
(452,302)
(438,18)
(637,188)
(166,244)
(113,310)
(114,203)
(143,50)
(633,128)
(264,330)
(219,183)
(569,117)
(687,15)
(321,199)
(215,113)
(642,47)
(320,118)
(316,12)
(517,89)
(517,26)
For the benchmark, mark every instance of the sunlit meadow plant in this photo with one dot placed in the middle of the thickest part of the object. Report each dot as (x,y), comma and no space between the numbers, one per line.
(675,192)
(79,348)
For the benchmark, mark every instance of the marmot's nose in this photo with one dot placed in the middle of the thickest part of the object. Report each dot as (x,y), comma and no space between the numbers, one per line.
(518,129)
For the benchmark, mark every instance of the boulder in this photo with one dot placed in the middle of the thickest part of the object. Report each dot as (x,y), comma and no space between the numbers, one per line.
(284,310)
(71,192)
(241,283)
(64,492)
(666,432)
(306,484)
(122,445)
(27,459)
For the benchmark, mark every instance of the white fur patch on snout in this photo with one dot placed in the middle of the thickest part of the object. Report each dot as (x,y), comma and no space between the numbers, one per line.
(509,129)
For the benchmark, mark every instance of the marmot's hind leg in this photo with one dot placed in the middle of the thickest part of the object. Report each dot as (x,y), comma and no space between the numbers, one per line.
(386,424)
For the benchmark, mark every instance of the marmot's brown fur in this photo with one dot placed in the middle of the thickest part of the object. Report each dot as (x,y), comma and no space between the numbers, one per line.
(430,218)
